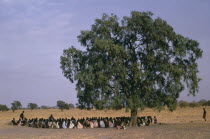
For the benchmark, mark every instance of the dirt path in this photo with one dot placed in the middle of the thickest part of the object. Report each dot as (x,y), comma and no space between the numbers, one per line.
(188,130)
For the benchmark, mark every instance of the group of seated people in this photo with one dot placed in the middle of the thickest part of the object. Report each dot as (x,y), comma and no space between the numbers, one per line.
(93,122)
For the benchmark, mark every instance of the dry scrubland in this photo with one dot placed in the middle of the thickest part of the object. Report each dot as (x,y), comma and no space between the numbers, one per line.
(184,123)
(181,115)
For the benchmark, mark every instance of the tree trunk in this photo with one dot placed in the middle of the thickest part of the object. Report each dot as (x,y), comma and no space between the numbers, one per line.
(133,118)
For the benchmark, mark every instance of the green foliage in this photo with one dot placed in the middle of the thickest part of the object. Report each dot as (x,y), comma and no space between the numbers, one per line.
(45,107)
(62,105)
(3,107)
(194,104)
(207,103)
(32,106)
(203,102)
(134,63)
(183,104)
(126,109)
(16,105)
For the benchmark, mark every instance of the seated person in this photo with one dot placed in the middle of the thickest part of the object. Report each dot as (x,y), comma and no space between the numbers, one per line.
(57,124)
(111,124)
(155,120)
(24,122)
(63,123)
(102,124)
(118,123)
(147,122)
(79,125)
(13,122)
(95,123)
(71,125)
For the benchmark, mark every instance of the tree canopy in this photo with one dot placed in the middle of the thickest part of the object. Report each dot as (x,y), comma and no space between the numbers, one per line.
(32,106)
(3,107)
(136,62)
(45,107)
(16,105)
(62,105)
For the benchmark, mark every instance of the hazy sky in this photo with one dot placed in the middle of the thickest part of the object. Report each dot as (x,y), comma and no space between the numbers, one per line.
(33,34)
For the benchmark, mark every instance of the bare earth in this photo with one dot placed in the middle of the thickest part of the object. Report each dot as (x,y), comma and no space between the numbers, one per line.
(182,123)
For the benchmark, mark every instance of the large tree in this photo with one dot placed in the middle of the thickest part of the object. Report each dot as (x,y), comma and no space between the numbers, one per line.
(133,63)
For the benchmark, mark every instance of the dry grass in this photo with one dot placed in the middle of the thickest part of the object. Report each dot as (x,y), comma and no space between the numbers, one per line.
(182,123)
(181,115)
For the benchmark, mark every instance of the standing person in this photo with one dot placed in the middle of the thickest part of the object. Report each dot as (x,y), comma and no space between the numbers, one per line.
(51,118)
(22,115)
(204,114)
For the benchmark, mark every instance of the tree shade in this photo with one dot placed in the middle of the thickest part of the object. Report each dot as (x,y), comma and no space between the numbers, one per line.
(132,63)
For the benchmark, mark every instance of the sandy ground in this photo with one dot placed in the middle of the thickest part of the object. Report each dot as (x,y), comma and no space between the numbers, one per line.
(182,123)
(165,131)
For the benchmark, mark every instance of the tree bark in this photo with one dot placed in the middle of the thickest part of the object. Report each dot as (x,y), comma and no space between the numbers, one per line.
(133,118)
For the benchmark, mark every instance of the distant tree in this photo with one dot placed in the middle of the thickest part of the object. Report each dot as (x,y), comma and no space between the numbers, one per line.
(16,105)
(45,107)
(208,103)
(32,106)
(136,62)
(62,105)
(3,107)
(55,107)
(203,102)
(194,104)
(183,104)
(71,105)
